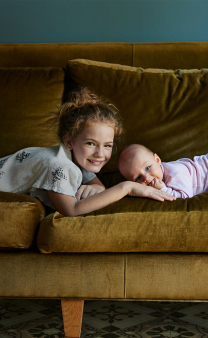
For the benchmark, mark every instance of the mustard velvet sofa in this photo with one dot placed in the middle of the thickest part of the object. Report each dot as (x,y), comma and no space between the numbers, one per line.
(136,248)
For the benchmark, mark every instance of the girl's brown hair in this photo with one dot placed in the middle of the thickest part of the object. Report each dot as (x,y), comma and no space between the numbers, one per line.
(84,108)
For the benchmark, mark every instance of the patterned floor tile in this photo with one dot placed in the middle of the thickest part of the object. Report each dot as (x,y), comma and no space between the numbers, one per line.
(105,319)
(120,314)
(197,314)
(170,330)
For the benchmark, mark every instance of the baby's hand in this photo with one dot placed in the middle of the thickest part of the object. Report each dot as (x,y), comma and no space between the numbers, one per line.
(157,184)
(88,190)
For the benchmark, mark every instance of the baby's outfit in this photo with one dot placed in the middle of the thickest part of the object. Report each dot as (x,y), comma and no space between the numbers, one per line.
(35,170)
(186,178)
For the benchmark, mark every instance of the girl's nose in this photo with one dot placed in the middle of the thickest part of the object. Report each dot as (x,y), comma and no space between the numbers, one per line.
(99,151)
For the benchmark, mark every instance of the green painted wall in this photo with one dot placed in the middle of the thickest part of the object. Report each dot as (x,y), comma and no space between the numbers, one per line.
(23,21)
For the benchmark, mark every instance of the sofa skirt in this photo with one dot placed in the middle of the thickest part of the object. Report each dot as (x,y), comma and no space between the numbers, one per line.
(132,276)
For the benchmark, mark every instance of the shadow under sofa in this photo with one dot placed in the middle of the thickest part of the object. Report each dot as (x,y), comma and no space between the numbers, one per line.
(134,249)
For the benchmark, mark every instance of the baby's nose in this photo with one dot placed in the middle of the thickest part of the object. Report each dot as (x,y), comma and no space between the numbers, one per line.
(146,178)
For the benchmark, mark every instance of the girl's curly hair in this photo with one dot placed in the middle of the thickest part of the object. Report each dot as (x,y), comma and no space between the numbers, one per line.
(82,109)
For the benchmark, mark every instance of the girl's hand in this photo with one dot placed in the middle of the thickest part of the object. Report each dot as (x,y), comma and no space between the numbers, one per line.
(157,184)
(137,189)
(88,190)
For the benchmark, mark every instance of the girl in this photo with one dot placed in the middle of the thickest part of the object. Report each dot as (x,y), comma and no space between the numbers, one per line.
(63,177)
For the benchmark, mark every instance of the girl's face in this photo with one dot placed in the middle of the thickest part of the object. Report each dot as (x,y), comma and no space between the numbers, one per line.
(93,147)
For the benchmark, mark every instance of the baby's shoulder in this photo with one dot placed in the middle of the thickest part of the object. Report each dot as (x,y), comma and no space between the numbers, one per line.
(176,167)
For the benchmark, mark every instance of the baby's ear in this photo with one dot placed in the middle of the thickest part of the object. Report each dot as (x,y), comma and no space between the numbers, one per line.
(68,142)
(157,159)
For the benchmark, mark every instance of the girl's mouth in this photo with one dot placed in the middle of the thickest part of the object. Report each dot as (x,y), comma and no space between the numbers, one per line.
(97,163)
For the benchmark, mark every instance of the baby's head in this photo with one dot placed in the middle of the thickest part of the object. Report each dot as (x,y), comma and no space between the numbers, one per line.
(139,164)
(89,126)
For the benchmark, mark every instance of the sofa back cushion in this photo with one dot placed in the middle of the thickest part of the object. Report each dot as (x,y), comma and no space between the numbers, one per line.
(165,110)
(29,97)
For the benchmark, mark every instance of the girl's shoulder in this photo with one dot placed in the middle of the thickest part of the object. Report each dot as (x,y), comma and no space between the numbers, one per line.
(63,160)
(35,151)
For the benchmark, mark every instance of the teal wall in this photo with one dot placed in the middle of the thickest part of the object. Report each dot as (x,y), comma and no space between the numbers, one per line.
(23,21)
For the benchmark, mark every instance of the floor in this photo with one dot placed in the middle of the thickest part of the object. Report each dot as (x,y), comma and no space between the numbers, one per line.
(107,319)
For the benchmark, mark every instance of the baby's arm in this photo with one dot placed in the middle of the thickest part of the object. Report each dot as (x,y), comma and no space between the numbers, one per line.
(69,206)
(176,193)
(90,188)
(160,185)
(179,185)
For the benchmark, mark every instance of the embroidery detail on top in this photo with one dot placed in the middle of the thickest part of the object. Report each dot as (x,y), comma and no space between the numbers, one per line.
(1,173)
(58,175)
(22,156)
(2,162)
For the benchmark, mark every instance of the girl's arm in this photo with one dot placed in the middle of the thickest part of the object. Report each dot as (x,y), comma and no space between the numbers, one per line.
(69,206)
(90,188)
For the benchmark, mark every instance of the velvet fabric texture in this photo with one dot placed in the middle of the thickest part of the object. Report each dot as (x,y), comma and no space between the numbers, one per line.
(29,97)
(19,219)
(168,55)
(166,277)
(130,225)
(164,110)
(131,276)
(32,275)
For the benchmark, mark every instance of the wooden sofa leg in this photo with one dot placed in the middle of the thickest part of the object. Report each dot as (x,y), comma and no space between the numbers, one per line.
(72,311)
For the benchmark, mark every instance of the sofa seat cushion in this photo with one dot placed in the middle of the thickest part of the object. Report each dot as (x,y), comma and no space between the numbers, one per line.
(165,110)
(19,219)
(29,98)
(131,225)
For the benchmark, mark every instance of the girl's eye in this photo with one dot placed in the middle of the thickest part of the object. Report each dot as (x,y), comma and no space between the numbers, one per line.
(147,168)
(108,146)
(90,143)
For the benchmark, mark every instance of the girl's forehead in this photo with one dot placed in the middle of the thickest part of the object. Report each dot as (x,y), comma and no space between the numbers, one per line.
(98,127)
(98,131)
(98,123)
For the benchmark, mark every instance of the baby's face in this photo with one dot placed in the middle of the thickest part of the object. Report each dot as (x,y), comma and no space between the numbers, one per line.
(143,167)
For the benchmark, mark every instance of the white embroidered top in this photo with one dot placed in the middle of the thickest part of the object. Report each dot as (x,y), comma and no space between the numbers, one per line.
(35,170)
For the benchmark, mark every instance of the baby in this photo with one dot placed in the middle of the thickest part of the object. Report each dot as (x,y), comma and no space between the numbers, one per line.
(182,178)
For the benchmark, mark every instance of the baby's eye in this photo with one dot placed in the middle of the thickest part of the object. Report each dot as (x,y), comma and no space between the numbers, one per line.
(147,168)
(138,178)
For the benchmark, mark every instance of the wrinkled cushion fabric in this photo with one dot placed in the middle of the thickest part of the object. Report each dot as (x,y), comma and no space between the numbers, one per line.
(130,225)
(165,110)
(29,98)
(20,216)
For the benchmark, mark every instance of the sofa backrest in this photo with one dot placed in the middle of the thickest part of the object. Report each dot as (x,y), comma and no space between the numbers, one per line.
(165,110)
(29,97)
(173,55)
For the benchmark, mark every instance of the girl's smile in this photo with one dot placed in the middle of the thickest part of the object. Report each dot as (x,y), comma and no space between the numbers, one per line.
(92,148)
